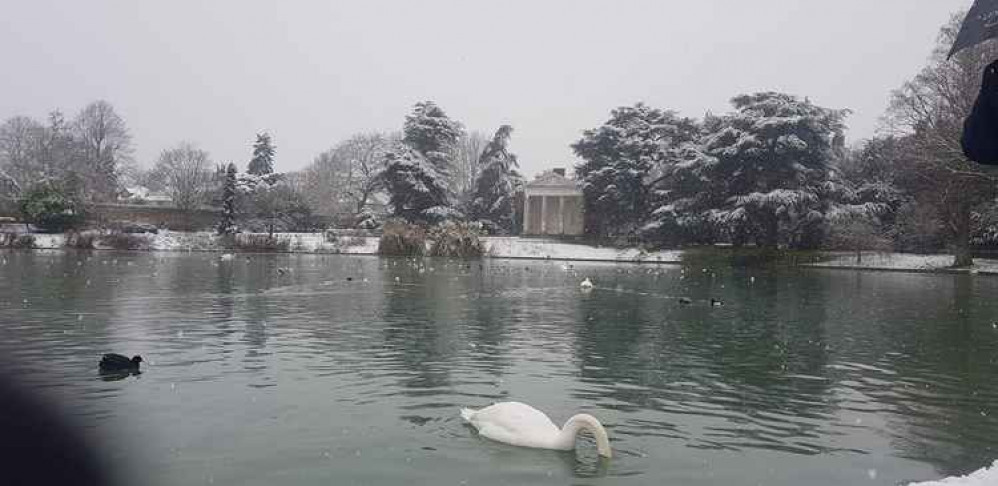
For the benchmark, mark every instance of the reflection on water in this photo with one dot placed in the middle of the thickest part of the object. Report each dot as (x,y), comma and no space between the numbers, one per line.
(352,369)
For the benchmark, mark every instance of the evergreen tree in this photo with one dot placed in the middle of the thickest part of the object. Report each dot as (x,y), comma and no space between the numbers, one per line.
(619,159)
(262,162)
(227,225)
(417,171)
(762,173)
(496,183)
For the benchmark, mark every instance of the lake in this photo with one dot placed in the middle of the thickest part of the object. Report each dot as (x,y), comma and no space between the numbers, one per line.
(254,376)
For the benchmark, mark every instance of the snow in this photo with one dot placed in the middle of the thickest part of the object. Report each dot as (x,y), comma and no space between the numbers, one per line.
(905,261)
(528,248)
(498,247)
(984,477)
(49,242)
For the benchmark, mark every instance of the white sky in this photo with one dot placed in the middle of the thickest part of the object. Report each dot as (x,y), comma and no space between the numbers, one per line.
(315,72)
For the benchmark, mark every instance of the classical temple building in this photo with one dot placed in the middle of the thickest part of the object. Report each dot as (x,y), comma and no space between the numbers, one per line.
(552,206)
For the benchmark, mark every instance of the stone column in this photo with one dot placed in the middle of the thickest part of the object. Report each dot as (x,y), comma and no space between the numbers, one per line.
(544,214)
(561,215)
(526,213)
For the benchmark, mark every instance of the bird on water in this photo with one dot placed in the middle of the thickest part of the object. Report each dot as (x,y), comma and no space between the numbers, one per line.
(117,362)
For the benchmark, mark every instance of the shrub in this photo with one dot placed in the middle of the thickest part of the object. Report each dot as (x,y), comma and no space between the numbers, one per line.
(80,240)
(50,210)
(260,243)
(17,240)
(402,239)
(457,240)
(125,241)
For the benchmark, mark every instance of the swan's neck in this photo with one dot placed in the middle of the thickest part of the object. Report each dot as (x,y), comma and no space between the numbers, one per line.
(588,423)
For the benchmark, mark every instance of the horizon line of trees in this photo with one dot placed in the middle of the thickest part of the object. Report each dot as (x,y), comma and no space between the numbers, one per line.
(774,171)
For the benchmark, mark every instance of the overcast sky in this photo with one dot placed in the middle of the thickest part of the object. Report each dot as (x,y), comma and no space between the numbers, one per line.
(313,73)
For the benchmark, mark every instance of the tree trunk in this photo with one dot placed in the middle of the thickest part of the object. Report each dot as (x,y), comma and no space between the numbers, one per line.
(961,238)
(771,235)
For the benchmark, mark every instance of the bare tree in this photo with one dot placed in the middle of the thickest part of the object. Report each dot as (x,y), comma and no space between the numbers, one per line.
(105,147)
(931,109)
(345,179)
(467,152)
(19,138)
(188,175)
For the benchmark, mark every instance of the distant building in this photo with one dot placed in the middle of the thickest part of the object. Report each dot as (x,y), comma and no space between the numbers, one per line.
(552,205)
(143,195)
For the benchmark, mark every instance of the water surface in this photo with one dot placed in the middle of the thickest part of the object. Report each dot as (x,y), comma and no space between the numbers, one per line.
(254,377)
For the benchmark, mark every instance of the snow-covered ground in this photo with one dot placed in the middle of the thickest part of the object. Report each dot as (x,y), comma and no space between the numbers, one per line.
(904,261)
(984,477)
(512,247)
(497,247)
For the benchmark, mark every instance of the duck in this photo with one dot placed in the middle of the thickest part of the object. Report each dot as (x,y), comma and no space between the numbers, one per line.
(716,303)
(521,425)
(117,362)
(586,284)
(283,271)
(685,301)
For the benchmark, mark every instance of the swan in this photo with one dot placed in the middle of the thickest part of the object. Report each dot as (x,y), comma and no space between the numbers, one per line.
(521,425)
(586,284)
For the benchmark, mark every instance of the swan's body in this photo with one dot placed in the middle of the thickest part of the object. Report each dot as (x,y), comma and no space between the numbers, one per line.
(586,284)
(227,257)
(522,425)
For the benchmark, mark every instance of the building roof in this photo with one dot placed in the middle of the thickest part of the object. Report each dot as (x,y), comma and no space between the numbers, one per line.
(553,180)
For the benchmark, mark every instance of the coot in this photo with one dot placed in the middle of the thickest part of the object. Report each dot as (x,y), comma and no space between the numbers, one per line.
(117,362)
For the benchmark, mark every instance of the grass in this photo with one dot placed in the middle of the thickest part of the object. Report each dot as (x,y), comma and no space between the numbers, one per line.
(457,240)
(401,239)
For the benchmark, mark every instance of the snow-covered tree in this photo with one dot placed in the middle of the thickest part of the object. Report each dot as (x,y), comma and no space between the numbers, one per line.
(496,184)
(417,191)
(762,173)
(417,171)
(620,158)
(227,224)
(262,162)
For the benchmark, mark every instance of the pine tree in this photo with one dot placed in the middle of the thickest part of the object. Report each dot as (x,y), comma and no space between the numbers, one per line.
(417,171)
(227,225)
(619,159)
(496,183)
(262,162)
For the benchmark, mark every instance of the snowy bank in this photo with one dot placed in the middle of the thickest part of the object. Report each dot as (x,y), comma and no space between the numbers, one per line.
(984,477)
(497,247)
(528,248)
(903,262)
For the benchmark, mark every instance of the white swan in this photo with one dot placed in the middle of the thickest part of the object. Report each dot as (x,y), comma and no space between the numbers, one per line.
(227,257)
(521,425)
(586,284)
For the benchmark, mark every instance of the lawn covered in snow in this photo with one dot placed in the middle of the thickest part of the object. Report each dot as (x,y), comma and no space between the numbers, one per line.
(497,247)
(904,262)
